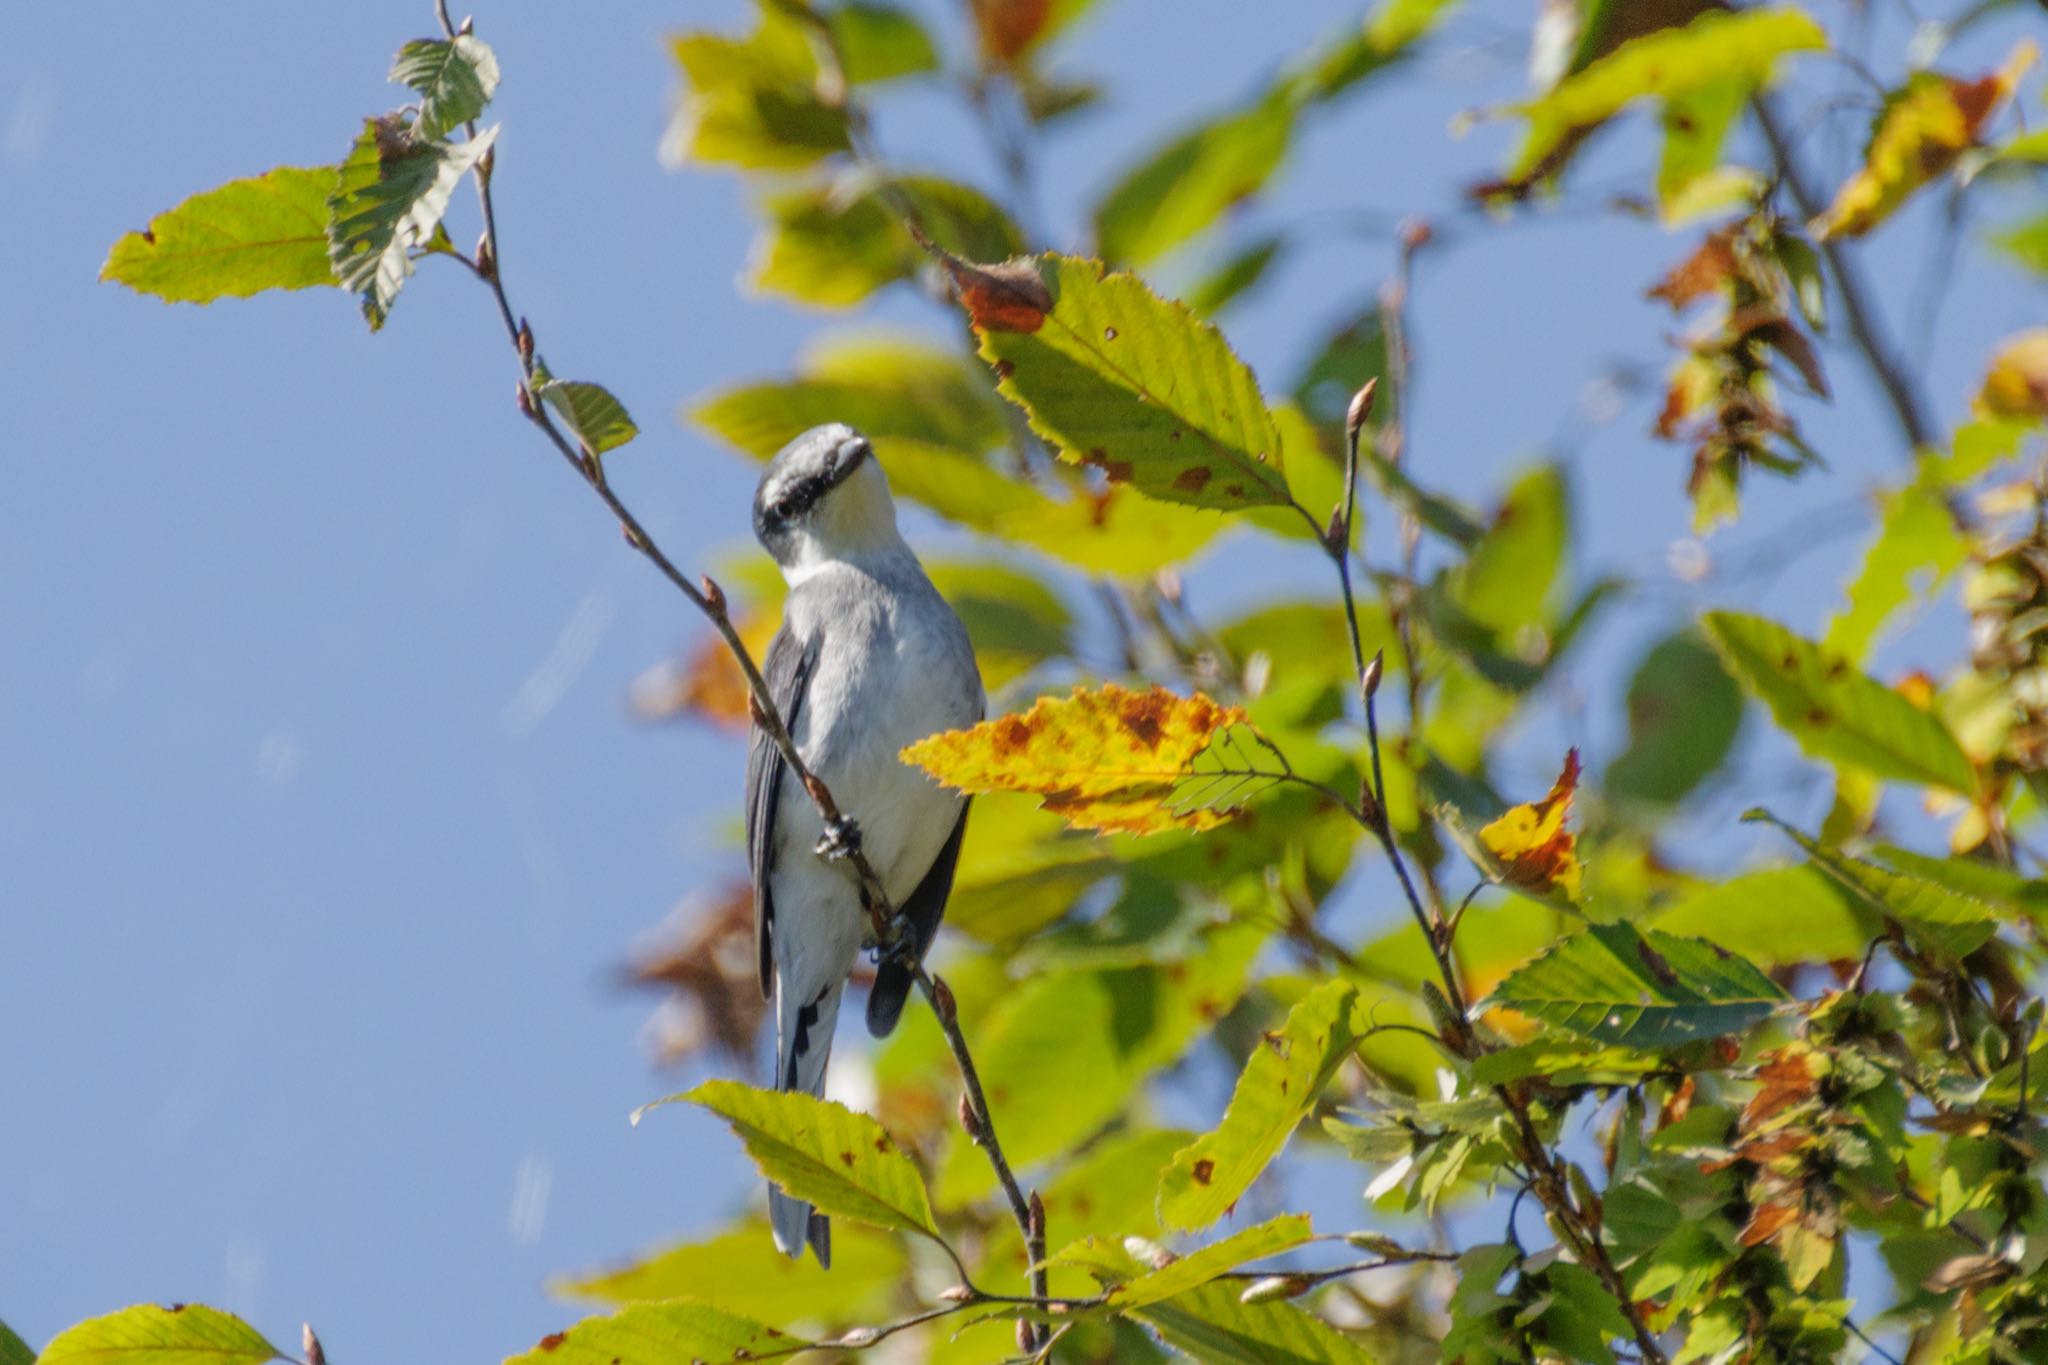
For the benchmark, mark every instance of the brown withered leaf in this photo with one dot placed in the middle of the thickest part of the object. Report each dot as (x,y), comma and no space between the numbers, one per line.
(707,961)
(1702,273)
(1787,1077)
(1009,297)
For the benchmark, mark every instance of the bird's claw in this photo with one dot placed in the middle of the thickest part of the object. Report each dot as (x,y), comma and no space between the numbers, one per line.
(840,841)
(901,947)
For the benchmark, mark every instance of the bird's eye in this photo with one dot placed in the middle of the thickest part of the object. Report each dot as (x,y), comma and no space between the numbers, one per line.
(783,509)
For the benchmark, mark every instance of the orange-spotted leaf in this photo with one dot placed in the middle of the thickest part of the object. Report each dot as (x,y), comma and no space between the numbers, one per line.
(1112,759)
(1926,125)
(1534,851)
(2016,385)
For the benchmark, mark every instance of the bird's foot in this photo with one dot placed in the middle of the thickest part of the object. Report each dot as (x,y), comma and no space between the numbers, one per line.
(901,947)
(840,841)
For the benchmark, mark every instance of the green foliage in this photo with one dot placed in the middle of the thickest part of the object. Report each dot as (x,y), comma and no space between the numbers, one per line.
(823,1153)
(266,232)
(387,203)
(1836,712)
(455,79)
(1137,386)
(1800,1081)
(177,1334)
(1280,1085)
(13,1350)
(658,1334)
(1647,989)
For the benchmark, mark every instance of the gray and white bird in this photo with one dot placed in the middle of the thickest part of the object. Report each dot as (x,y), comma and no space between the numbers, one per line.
(870,658)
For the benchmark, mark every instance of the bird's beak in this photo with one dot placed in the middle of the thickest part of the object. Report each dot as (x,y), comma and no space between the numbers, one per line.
(848,457)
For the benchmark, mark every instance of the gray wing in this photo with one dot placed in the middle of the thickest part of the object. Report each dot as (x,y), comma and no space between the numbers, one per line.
(787,671)
(925,908)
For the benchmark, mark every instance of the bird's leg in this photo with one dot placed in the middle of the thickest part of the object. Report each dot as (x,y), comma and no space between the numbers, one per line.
(840,841)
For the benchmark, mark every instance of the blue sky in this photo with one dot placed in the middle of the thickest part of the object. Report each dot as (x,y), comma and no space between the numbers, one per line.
(323,823)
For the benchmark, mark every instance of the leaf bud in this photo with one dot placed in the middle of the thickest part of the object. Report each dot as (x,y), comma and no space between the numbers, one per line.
(1150,1252)
(486,258)
(714,596)
(942,1001)
(468,26)
(1356,415)
(315,1355)
(1369,681)
(959,1293)
(1037,1217)
(968,1122)
(858,1339)
(1027,1337)
(525,342)
(1275,1287)
(525,402)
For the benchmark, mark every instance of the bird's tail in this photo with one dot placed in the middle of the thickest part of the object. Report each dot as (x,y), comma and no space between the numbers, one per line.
(803,1044)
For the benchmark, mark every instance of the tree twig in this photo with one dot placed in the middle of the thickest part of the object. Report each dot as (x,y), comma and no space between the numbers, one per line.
(1907,403)
(710,600)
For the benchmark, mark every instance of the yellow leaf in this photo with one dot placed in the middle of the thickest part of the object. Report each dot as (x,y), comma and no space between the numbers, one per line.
(1111,759)
(2016,385)
(1537,853)
(1932,121)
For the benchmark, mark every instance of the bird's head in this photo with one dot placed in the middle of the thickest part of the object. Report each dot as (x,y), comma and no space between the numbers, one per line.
(823,498)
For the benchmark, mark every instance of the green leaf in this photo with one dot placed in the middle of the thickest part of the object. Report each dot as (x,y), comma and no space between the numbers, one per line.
(1238,272)
(1835,712)
(740,1271)
(1945,921)
(1562,1062)
(1189,183)
(1683,714)
(596,419)
(1133,384)
(880,42)
(1280,1084)
(1716,51)
(1776,917)
(1269,1238)
(455,78)
(660,1334)
(180,1334)
(266,232)
(823,1153)
(1980,880)
(1351,354)
(1635,989)
(13,1350)
(1211,1325)
(1511,575)
(387,201)
(834,245)
(753,102)
(1918,545)
(2026,243)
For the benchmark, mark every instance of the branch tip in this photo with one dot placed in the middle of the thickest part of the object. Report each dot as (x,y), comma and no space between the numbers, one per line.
(315,1354)
(1369,681)
(1356,415)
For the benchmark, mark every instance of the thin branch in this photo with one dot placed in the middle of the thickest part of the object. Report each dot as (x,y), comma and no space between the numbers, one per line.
(710,600)
(1908,405)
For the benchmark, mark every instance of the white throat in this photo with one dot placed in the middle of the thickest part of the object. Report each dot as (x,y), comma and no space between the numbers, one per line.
(854,524)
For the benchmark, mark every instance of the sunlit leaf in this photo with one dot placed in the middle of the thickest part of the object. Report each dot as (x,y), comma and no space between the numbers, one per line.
(1111,759)
(1133,384)
(1775,917)
(1188,184)
(1510,577)
(455,78)
(1634,988)
(1196,1268)
(594,417)
(1833,710)
(1928,123)
(660,1334)
(1683,713)
(1279,1086)
(1240,271)
(266,232)
(1529,847)
(1013,619)
(1715,52)
(835,245)
(753,102)
(1212,1324)
(15,1351)
(823,1153)
(1918,545)
(880,42)
(1945,921)
(179,1334)
(740,1271)
(2026,242)
(386,204)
